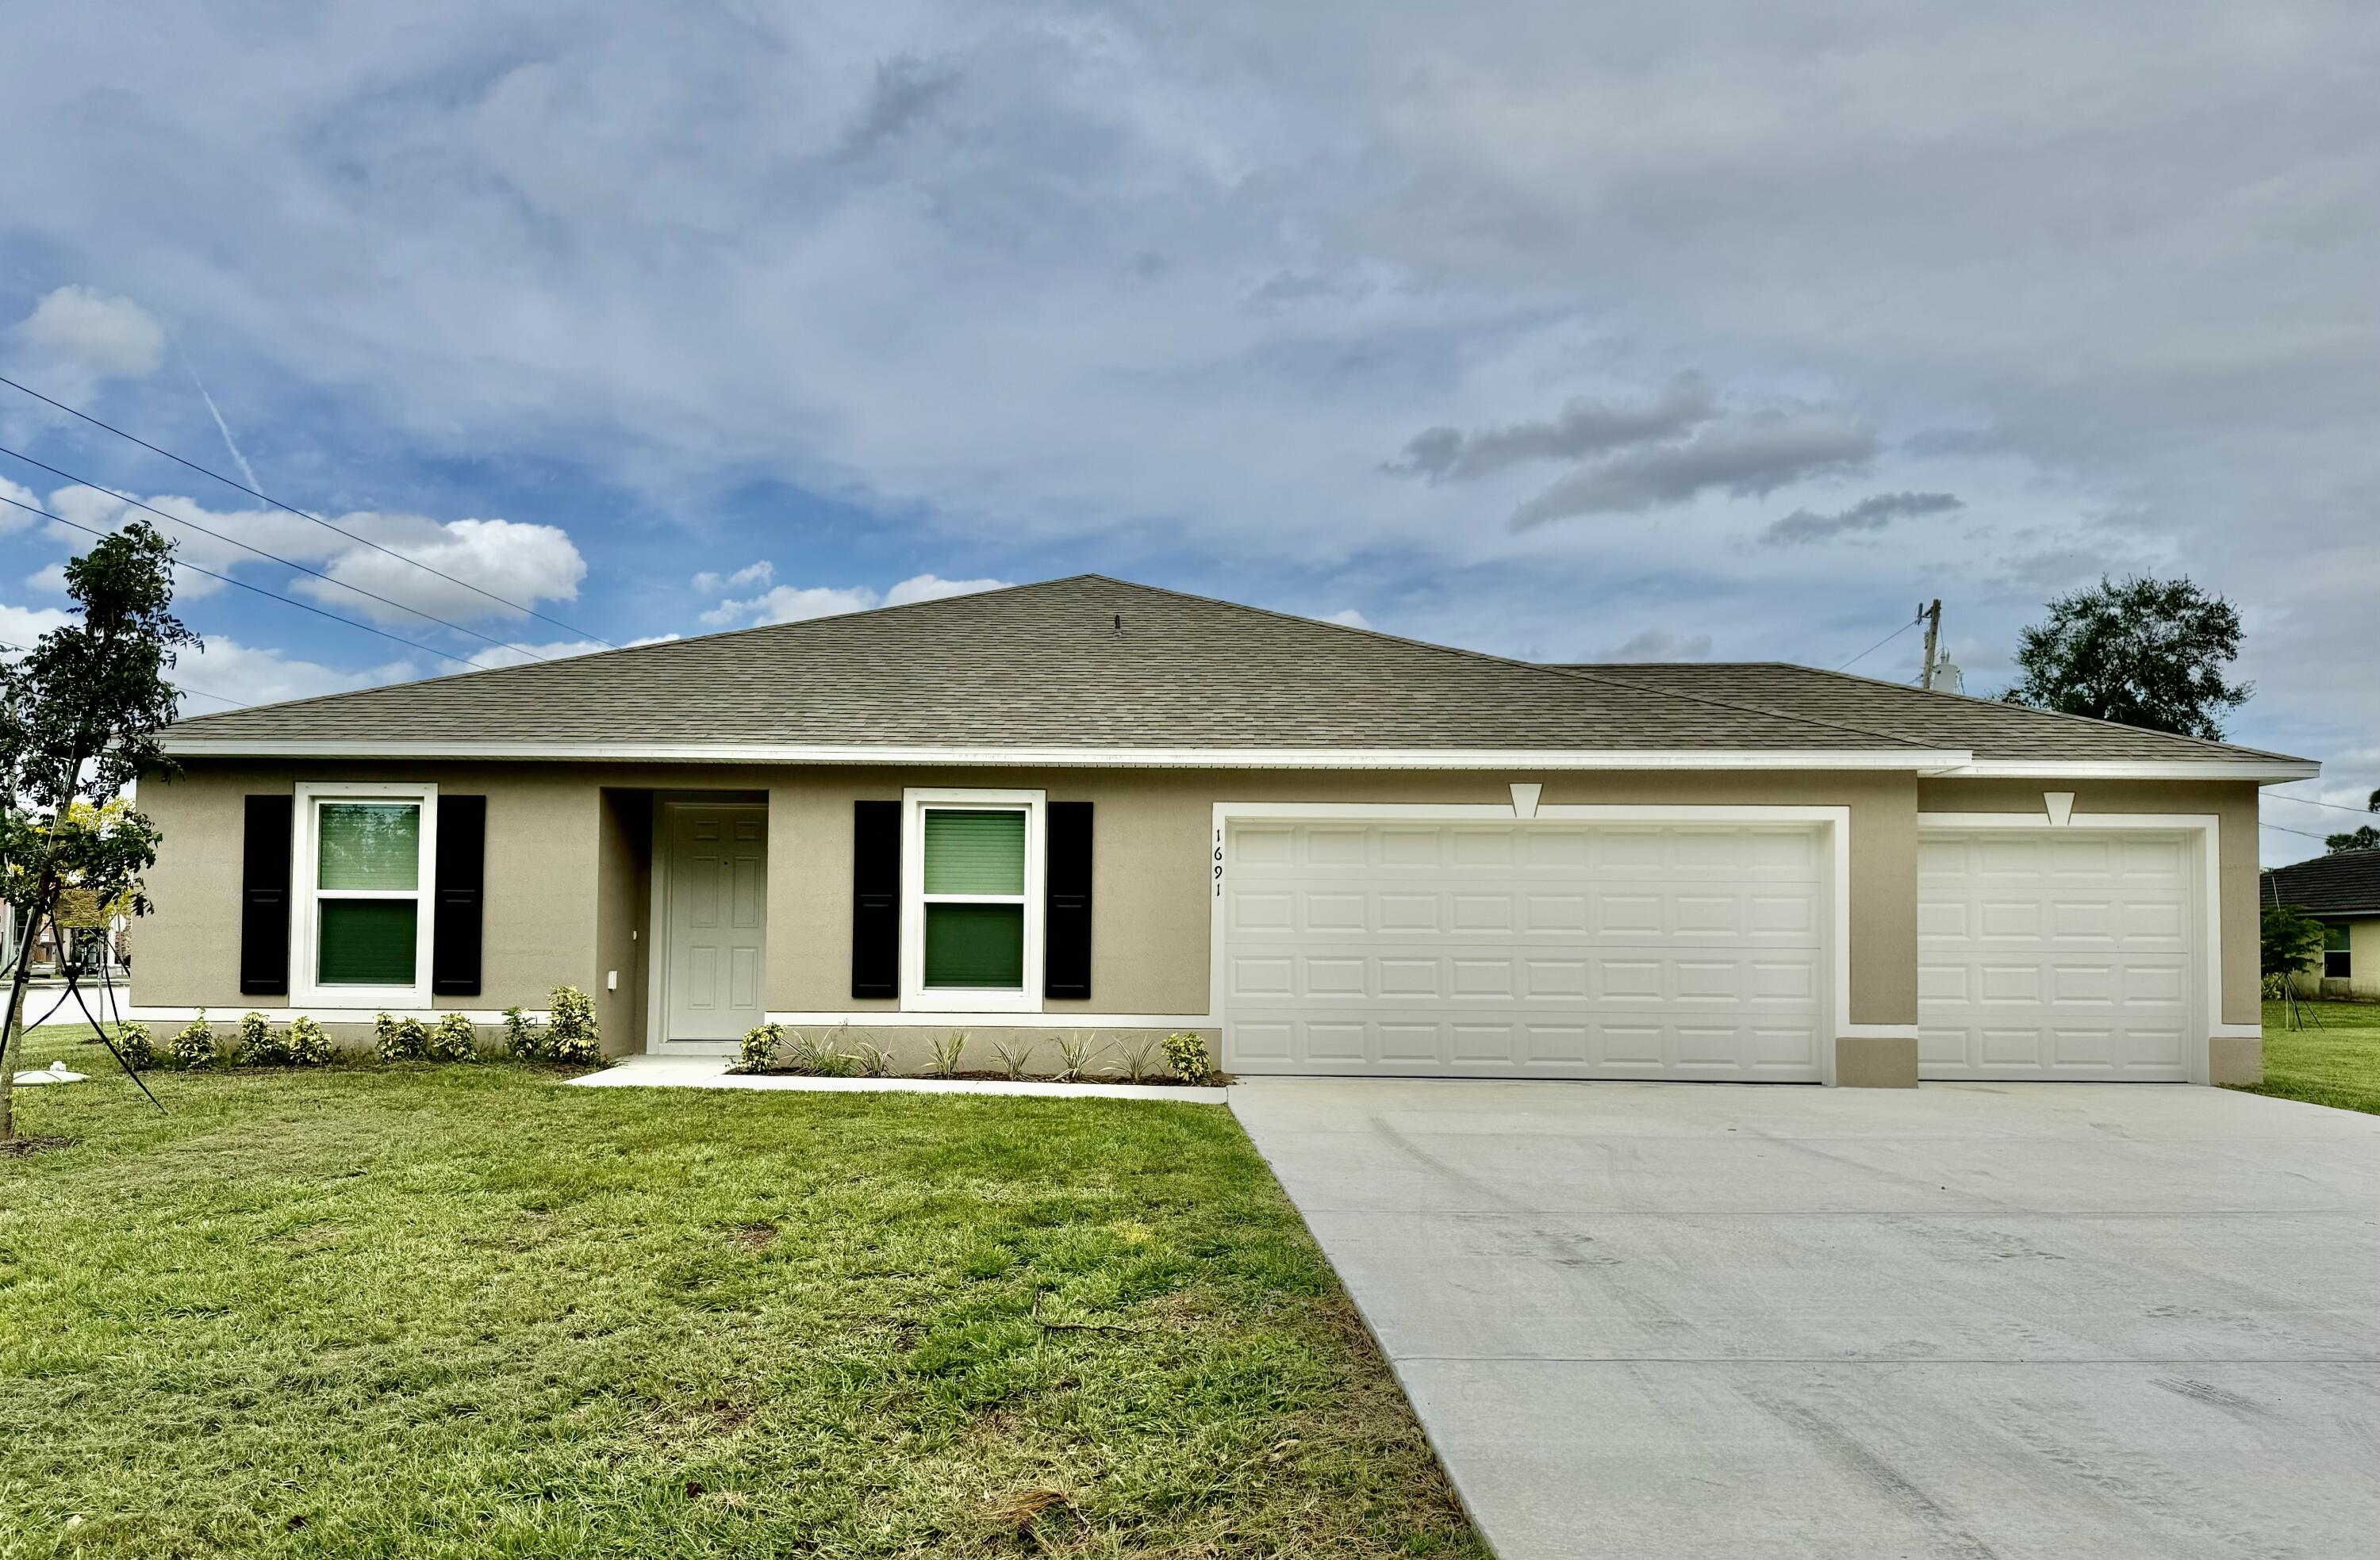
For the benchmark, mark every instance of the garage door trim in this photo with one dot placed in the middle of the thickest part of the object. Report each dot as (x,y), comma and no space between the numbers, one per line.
(1834,827)
(2203,834)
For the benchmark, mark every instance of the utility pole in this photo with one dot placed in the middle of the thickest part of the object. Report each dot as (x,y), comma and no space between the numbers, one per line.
(1933,616)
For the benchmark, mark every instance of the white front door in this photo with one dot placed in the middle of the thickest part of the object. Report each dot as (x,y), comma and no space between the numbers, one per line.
(713,918)
(2055,953)
(1546,950)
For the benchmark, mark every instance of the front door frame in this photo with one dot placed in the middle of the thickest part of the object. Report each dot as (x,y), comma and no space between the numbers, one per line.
(660,851)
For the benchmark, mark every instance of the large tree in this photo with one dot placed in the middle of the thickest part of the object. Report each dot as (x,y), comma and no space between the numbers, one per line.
(2363,839)
(79,714)
(2148,652)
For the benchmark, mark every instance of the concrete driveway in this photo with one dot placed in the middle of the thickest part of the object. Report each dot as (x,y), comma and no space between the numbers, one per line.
(1972,1320)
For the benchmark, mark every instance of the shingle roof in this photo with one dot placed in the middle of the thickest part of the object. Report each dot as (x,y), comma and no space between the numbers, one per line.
(1089,663)
(1985,727)
(2343,883)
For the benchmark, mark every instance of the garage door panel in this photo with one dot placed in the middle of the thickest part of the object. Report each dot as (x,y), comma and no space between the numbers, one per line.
(2086,973)
(1561,950)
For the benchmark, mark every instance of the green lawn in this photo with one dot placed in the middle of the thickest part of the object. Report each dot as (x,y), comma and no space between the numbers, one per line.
(2338,1064)
(464,1311)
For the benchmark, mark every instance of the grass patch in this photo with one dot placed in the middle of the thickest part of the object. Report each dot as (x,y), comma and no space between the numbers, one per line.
(2338,1064)
(421,1309)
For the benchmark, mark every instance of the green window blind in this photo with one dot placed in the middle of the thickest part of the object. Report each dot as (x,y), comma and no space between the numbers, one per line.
(974,853)
(975,945)
(370,845)
(366,942)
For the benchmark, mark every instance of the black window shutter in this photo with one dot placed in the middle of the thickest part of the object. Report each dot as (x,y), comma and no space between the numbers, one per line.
(264,897)
(875,898)
(1066,924)
(461,896)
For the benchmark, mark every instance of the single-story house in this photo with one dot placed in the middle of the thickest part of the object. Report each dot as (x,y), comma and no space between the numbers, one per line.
(1087,805)
(2342,892)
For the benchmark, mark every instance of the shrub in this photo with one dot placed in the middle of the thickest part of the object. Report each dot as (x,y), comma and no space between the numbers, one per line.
(1186,1053)
(873,1060)
(258,1047)
(399,1039)
(137,1046)
(195,1045)
(946,1054)
(760,1046)
(1015,1055)
(522,1038)
(573,1036)
(1139,1057)
(455,1039)
(1075,1054)
(306,1044)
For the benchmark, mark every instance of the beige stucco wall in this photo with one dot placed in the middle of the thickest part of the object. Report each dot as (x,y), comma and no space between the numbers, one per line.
(568,885)
(2233,803)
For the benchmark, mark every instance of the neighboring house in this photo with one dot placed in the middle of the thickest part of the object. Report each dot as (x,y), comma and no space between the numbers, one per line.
(2342,892)
(1092,805)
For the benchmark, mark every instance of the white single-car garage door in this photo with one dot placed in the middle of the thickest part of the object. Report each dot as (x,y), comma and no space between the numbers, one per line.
(2054,953)
(1543,950)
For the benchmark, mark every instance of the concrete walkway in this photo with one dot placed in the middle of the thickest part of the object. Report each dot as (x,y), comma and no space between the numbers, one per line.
(1978,1320)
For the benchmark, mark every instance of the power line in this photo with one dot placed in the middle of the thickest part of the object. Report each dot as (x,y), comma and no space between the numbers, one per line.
(2299,833)
(317,519)
(176,686)
(1880,644)
(2333,806)
(284,563)
(268,596)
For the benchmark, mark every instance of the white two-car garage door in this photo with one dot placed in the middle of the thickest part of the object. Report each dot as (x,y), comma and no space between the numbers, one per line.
(2055,953)
(1543,950)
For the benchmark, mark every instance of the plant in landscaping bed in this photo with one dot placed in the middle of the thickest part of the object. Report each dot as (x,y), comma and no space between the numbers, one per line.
(1015,1055)
(573,1036)
(1186,1053)
(305,1045)
(1139,1057)
(759,1048)
(522,1038)
(399,1039)
(195,1045)
(455,1039)
(873,1060)
(137,1046)
(258,1047)
(1075,1054)
(946,1054)
(821,1055)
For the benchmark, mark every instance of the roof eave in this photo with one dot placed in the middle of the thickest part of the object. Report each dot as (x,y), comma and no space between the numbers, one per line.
(2261,770)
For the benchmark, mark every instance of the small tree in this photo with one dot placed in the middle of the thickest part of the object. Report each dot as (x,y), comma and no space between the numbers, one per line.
(2291,941)
(2146,652)
(2364,838)
(79,714)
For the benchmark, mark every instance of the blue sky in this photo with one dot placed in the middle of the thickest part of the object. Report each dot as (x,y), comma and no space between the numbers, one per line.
(1717,330)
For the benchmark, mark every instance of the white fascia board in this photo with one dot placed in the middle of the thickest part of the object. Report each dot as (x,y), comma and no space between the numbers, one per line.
(1920,760)
(2264,772)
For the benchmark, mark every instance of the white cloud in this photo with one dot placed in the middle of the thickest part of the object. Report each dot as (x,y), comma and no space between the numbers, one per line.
(761,573)
(1349,616)
(11,517)
(105,337)
(560,649)
(20,626)
(788,604)
(1658,643)
(231,673)
(527,563)
(51,580)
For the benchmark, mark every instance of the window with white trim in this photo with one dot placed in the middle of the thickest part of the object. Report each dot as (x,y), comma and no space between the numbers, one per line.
(361,917)
(971,906)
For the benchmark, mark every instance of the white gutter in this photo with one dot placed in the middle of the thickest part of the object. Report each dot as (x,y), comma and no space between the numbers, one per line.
(2264,772)
(1919,761)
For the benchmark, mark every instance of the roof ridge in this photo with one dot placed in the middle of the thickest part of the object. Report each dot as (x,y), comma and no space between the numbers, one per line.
(1550,668)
